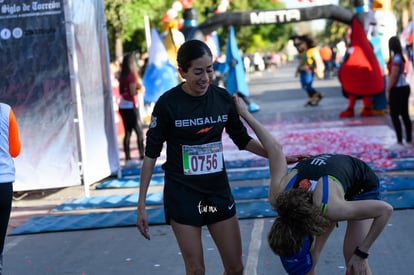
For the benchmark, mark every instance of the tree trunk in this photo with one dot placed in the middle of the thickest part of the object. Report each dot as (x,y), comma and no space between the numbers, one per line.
(119,49)
(405,16)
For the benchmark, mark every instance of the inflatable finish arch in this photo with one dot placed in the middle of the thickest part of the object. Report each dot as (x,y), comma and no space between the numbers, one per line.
(280,16)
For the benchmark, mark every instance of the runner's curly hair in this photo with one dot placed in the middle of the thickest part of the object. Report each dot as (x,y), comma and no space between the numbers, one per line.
(303,42)
(297,218)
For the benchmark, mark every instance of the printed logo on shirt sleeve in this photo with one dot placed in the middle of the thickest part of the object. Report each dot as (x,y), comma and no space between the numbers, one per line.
(153,123)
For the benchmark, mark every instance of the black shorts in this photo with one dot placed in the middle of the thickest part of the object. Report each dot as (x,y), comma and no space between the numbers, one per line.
(370,195)
(187,206)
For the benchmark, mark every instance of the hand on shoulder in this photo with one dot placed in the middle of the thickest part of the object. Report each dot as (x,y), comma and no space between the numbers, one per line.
(241,106)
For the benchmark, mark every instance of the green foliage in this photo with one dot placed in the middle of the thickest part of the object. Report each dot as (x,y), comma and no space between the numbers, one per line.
(260,37)
(125,21)
(335,31)
(402,10)
(399,5)
(265,38)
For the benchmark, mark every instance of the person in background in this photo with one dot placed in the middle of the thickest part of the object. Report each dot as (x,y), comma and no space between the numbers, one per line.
(312,197)
(335,61)
(326,55)
(310,64)
(409,50)
(129,86)
(9,148)
(379,101)
(398,93)
(191,118)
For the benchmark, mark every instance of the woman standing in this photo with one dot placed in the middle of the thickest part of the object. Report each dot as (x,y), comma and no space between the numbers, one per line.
(191,118)
(9,149)
(398,92)
(129,86)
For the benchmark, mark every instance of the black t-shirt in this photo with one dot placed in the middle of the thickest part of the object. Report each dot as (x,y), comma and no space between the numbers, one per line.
(192,128)
(355,176)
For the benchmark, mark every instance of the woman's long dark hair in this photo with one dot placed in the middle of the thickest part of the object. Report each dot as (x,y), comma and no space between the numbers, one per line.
(297,218)
(394,46)
(126,68)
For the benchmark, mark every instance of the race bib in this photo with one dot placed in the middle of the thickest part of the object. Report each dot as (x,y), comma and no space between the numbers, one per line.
(202,159)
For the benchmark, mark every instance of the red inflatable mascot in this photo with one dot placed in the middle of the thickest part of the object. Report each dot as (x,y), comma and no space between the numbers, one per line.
(360,74)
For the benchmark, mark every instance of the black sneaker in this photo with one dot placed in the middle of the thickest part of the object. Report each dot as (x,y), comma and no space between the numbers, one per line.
(311,102)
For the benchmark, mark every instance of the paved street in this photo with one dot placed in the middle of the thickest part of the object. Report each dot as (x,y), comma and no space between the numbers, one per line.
(116,251)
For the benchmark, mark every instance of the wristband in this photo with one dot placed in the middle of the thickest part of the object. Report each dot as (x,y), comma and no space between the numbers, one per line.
(360,253)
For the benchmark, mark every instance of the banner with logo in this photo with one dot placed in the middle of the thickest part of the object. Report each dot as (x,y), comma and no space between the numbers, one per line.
(47,86)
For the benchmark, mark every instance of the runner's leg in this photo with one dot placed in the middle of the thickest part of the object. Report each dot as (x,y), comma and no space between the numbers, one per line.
(189,241)
(226,235)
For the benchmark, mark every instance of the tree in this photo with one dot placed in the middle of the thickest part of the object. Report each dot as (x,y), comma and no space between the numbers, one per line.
(255,37)
(115,15)
(126,30)
(402,10)
(265,38)
(335,31)
(125,23)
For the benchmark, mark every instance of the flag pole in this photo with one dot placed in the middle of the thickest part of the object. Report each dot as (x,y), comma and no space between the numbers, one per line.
(147,32)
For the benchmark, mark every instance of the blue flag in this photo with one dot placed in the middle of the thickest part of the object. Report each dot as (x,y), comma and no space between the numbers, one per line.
(236,78)
(160,75)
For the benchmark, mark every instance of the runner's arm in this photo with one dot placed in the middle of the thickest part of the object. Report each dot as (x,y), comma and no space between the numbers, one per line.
(274,151)
(14,140)
(379,211)
(145,178)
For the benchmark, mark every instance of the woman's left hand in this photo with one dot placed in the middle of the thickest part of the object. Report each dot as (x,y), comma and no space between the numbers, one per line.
(295,158)
(358,266)
(241,105)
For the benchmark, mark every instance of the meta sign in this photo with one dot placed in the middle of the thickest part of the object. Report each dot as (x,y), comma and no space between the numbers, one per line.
(275,17)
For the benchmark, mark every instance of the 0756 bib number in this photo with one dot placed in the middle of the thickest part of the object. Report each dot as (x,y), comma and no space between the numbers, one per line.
(202,159)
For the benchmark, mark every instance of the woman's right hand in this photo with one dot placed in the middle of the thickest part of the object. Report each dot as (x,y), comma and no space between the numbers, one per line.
(142,223)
